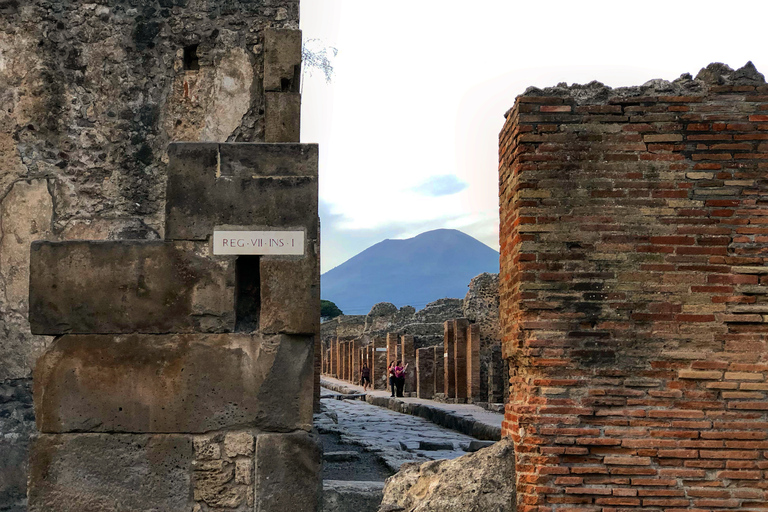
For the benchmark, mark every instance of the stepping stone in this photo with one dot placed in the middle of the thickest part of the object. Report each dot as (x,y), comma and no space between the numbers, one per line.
(433,446)
(347,456)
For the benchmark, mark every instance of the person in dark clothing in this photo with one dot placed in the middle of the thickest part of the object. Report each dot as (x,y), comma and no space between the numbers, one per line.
(365,376)
(392,380)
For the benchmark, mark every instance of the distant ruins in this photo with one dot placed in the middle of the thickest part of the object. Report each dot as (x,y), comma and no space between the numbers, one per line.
(634,293)
(424,339)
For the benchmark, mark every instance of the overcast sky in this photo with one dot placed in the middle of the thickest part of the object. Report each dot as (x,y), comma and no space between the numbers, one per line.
(408,126)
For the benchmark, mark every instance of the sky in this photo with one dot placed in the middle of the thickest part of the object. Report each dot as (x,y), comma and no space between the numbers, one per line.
(408,125)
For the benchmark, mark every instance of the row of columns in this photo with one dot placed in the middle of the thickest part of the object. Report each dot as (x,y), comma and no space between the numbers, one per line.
(451,370)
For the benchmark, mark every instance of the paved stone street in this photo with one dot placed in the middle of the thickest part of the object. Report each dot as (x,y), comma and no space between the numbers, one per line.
(397,438)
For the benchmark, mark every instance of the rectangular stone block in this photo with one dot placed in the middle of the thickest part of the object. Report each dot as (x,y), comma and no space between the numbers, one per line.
(460,356)
(282,117)
(425,372)
(257,185)
(111,473)
(129,286)
(174,383)
(282,59)
(449,339)
(288,472)
(473,362)
(439,369)
(290,293)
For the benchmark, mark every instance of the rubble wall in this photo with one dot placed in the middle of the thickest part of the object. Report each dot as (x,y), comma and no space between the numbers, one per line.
(634,293)
(90,96)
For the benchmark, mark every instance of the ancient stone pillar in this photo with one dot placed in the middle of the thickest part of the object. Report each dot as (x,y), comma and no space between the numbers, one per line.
(379,366)
(182,377)
(473,362)
(336,349)
(425,372)
(393,348)
(460,357)
(408,355)
(449,368)
(439,369)
(356,353)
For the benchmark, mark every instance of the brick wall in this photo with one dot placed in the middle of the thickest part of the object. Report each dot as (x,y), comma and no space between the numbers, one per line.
(634,294)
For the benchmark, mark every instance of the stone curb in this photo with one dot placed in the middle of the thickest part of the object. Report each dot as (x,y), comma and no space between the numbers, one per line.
(438,416)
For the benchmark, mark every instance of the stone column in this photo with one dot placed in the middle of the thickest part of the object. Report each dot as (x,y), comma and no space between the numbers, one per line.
(460,357)
(379,366)
(336,369)
(408,355)
(473,363)
(425,372)
(356,353)
(438,356)
(393,346)
(449,329)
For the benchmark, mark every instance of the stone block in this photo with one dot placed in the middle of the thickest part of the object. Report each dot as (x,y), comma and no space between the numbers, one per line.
(174,383)
(282,117)
(129,286)
(408,355)
(288,472)
(282,60)
(351,496)
(253,185)
(290,293)
(110,473)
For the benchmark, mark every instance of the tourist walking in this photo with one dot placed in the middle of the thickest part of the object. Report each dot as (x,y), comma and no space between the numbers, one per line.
(399,372)
(365,376)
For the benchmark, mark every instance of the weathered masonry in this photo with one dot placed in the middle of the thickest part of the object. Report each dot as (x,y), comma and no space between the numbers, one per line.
(634,294)
(91,95)
(183,378)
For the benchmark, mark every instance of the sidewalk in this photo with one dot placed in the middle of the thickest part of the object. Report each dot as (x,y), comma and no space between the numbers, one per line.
(468,419)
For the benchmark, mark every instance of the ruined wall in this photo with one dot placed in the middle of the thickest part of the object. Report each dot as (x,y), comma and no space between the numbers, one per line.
(90,96)
(634,293)
(481,306)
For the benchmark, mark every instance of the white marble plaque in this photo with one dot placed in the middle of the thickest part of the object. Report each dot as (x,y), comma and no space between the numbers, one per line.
(258,242)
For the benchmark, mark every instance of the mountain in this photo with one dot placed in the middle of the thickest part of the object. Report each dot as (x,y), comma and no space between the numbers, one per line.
(415,271)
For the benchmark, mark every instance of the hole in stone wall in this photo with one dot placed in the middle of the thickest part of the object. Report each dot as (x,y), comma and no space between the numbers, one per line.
(191,62)
(247,294)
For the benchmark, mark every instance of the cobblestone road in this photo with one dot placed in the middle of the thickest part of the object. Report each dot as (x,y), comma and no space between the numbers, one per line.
(396,438)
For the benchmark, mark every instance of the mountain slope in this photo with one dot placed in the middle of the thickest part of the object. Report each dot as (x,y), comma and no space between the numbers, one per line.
(427,267)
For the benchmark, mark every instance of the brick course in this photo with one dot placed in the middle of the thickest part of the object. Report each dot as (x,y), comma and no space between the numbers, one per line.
(634,294)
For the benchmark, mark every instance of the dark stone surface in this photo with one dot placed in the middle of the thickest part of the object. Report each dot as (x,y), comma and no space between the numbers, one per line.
(259,185)
(288,472)
(129,286)
(111,473)
(282,117)
(290,293)
(174,383)
(17,423)
(282,60)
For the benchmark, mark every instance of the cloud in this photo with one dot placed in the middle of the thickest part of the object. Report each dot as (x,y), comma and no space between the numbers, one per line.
(445,185)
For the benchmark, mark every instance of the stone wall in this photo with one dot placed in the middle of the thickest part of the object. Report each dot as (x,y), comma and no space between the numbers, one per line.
(90,96)
(634,293)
